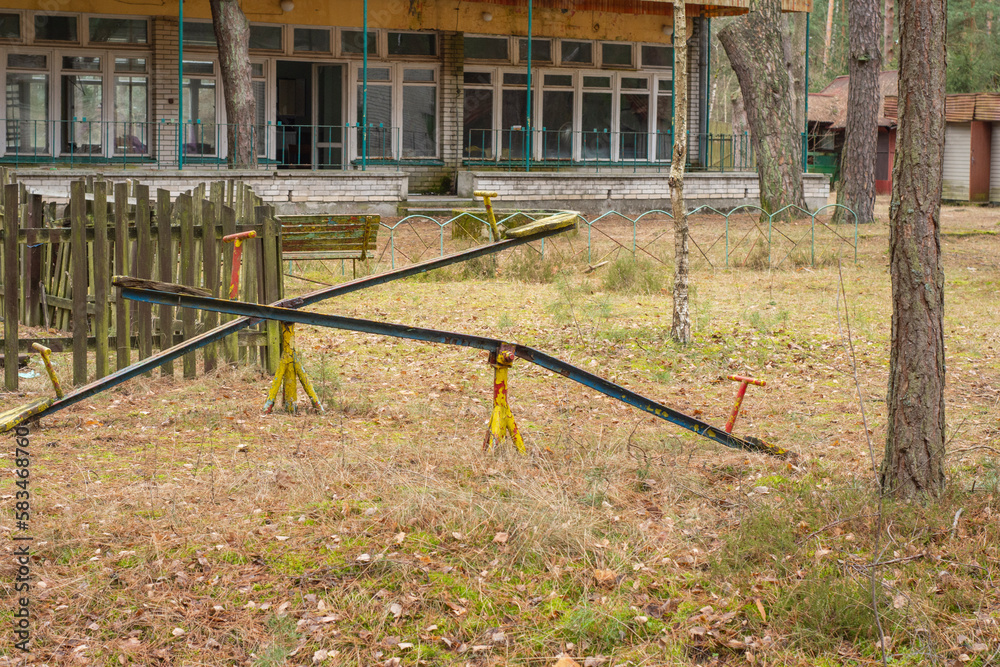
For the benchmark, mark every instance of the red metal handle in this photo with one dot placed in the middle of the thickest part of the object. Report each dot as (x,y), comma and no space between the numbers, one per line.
(239,236)
(740,378)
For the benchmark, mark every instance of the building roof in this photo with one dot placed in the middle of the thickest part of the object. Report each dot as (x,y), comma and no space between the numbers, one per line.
(959,108)
(830,105)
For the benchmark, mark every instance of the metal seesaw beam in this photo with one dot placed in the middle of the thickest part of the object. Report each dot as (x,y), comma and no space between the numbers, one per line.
(87,390)
(537,357)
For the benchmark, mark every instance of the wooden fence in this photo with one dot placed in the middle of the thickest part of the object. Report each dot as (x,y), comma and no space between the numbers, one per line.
(57,262)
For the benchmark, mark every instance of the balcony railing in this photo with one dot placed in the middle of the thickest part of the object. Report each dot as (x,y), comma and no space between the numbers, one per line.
(164,144)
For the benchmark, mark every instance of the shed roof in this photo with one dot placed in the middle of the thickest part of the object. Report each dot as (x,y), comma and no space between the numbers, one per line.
(830,105)
(959,107)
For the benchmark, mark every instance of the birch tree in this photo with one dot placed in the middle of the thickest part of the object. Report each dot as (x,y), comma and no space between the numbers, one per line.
(680,328)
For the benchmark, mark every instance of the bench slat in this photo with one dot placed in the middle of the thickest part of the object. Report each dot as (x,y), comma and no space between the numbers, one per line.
(328,236)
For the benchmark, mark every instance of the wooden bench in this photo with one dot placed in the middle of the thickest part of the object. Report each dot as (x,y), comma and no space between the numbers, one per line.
(321,237)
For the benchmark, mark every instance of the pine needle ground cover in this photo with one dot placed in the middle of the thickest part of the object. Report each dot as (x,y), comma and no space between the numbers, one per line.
(174,524)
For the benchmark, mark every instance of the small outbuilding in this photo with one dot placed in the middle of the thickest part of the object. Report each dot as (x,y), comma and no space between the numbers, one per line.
(828,122)
(971,146)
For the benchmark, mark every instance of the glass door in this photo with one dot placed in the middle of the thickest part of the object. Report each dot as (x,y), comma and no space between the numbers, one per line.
(329,145)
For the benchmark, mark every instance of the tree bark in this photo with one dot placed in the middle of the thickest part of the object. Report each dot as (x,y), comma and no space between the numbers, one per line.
(888,32)
(828,43)
(680,328)
(754,46)
(915,433)
(232,32)
(794,45)
(857,160)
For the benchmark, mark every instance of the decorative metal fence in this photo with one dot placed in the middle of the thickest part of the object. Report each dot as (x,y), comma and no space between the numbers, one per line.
(745,236)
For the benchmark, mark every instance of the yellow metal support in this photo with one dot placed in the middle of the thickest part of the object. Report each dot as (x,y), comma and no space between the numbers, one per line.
(10,419)
(290,370)
(490,217)
(46,359)
(502,419)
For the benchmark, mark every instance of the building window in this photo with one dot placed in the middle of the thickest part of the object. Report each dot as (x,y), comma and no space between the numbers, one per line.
(118,31)
(657,56)
(27,104)
(595,121)
(82,104)
(379,116)
(259,85)
(200,135)
(412,44)
(580,116)
(477,116)
(265,37)
(514,116)
(131,131)
(352,43)
(50,28)
(487,48)
(419,113)
(578,53)
(198,34)
(10,26)
(616,55)
(557,116)
(664,119)
(633,124)
(541,50)
(312,40)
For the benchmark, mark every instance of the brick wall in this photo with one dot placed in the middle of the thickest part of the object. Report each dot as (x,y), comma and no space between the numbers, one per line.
(598,192)
(164,89)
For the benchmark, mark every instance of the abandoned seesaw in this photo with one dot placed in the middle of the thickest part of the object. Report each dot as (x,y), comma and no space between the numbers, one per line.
(288,313)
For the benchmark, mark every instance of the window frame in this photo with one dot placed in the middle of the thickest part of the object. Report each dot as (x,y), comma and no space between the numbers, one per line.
(23,24)
(353,70)
(538,88)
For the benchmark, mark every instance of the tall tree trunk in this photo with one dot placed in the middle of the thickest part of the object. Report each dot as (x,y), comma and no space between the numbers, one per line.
(915,433)
(794,45)
(232,32)
(889,32)
(857,160)
(753,44)
(680,328)
(828,43)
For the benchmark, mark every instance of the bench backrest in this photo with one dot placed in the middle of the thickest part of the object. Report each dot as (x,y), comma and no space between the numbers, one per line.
(328,236)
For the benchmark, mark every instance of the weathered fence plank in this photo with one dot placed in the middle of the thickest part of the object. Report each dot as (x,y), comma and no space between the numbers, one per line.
(210,264)
(187,276)
(78,221)
(123,323)
(101,278)
(10,266)
(166,274)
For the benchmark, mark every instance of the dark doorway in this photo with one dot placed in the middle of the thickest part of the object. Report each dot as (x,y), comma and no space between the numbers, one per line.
(294,116)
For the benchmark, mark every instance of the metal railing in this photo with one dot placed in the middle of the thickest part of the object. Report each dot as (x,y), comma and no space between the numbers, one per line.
(81,141)
(557,149)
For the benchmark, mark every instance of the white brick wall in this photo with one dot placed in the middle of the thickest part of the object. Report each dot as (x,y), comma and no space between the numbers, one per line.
(589,190)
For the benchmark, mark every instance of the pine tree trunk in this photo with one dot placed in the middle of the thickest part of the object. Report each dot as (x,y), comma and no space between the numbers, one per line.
(888,32)
(232,32)
(680,328)
(857,160)
(828,43)
(754,46)
(794,44)
(915,433)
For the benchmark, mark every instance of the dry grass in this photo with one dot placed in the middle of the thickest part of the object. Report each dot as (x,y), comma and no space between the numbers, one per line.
(380,531)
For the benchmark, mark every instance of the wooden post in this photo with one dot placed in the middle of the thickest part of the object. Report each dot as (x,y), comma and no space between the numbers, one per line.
(10,286)
(144,268)
(123,324)
(271,275)
(211,268)
(187,276)
(101,281)
(166,274)
(231,345)
(78,252)
(33,258)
